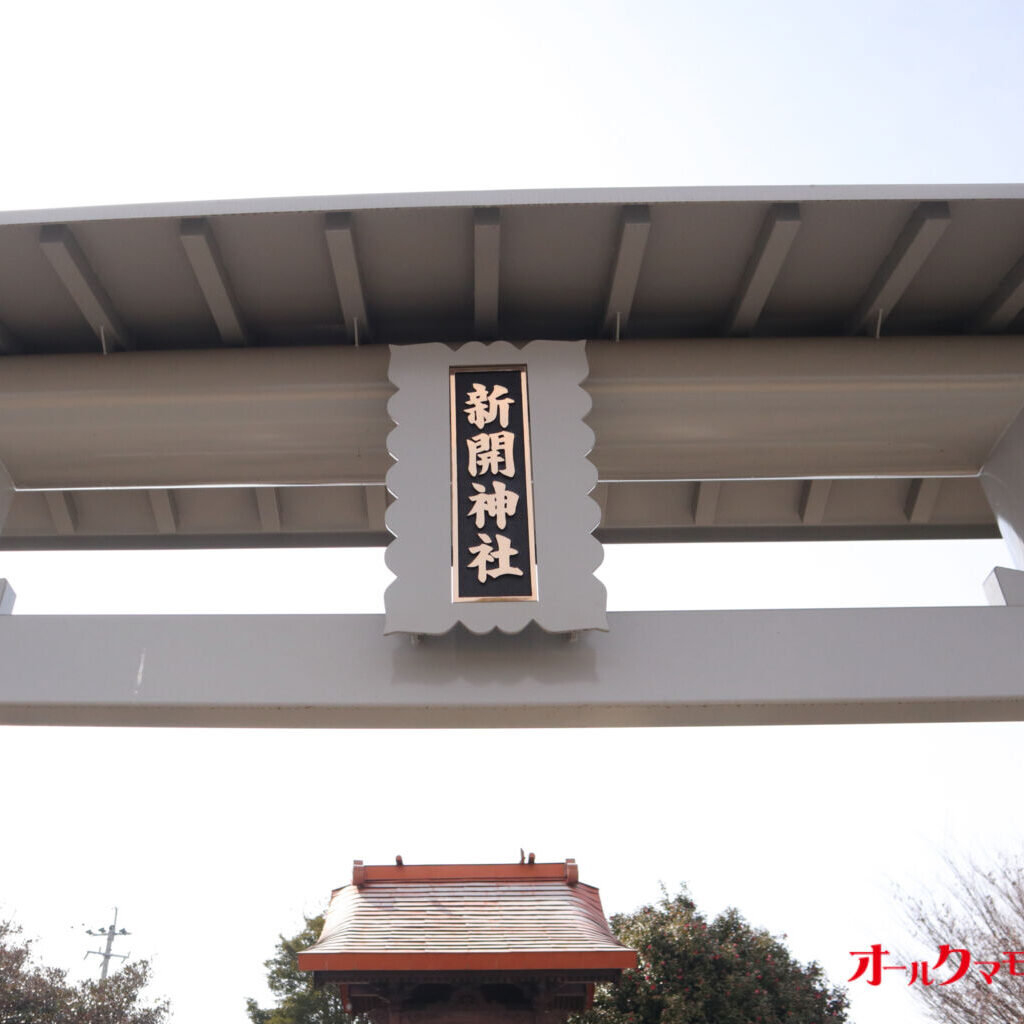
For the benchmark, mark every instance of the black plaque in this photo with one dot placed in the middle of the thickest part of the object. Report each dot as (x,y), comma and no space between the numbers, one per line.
(493,555)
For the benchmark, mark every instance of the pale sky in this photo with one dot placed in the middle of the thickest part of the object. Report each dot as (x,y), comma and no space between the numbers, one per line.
(117,102)
(212,842)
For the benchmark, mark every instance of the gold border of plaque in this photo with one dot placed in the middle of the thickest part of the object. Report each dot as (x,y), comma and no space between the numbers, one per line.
(528,480)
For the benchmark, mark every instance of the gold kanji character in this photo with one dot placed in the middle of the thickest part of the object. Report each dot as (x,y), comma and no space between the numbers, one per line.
(492,453)
(483,406)
(487,551)
(498,504)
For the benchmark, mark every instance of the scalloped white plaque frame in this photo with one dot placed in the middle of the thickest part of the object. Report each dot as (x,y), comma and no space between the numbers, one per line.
(419,600)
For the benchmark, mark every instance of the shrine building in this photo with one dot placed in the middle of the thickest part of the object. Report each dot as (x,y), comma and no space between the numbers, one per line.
(435,943)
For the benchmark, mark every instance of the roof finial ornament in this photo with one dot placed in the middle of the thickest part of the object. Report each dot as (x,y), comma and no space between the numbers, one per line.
(522,856)
(532,859)
(398,859)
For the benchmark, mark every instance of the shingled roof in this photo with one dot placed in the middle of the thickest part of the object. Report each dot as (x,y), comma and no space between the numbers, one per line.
(466,917)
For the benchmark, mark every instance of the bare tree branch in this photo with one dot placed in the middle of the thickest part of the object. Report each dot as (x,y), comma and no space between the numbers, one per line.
(981,911)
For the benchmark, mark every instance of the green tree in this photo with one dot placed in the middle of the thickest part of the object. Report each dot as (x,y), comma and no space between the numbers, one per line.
(297,1001)
(722,972)
(33,994)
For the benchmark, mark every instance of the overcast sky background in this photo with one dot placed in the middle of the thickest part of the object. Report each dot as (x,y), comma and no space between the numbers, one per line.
(112,102)
(212,842)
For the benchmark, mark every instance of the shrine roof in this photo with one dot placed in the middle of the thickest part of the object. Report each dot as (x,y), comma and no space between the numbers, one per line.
(466,917)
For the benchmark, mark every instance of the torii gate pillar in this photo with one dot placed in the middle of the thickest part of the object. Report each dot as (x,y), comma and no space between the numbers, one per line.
(1003,480)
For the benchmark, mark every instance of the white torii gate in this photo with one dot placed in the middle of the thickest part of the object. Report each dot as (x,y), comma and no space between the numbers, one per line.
(686,417)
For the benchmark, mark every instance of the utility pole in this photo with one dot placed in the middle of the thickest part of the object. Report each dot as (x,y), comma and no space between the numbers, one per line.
(110,934)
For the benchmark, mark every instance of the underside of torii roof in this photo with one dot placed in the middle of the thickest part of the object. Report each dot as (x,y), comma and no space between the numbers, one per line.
(764,363)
